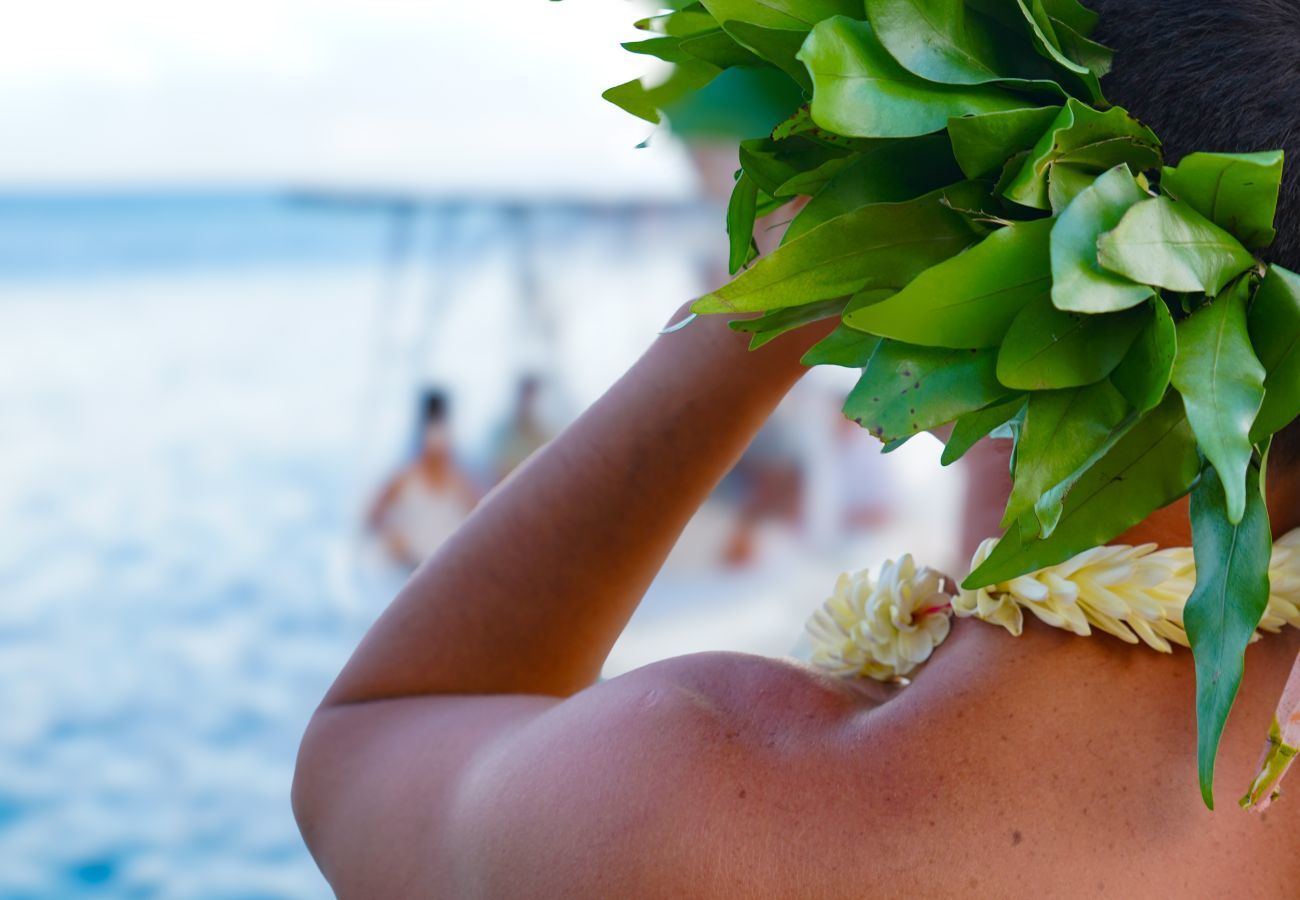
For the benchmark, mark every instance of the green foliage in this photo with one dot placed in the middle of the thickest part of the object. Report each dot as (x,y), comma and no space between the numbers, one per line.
(1047,349)
(882,172)
(1079,283)
(1061,432)
(1236,191)
(1167,244)
(884,245)
(770,326)
(973,427)
(1151,466)
(742,212)
(907,389)
(1086,140)
(1222,383)
(845,347)
(949,43)
(1275,334)
(968,301)
(1231,595)
(984,143)
(1144,374)
(859,90)
(1008,254)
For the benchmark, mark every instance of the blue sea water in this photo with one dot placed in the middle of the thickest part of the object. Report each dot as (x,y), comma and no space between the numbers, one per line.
(188,387)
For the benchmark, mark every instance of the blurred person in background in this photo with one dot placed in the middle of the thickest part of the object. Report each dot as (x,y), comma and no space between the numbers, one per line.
(424,502)
(523,433)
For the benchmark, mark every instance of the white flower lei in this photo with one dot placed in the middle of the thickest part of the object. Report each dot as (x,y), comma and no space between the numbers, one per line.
(885,628)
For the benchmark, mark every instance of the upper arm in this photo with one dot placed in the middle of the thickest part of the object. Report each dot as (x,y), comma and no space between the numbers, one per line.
(617,789)
(375,784)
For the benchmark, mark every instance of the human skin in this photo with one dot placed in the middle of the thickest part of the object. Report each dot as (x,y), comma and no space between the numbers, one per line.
(468,749)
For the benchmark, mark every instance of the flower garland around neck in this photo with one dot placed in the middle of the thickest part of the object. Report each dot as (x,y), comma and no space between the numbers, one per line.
(885,627)
(1005,251)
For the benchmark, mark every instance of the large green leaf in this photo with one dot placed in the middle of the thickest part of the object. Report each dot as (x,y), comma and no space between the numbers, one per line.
(1153,465)
(1079,284)
(1168,244)
(1236,191)
(1061,432)
(906,390)
(971,299)
(1222,383)
(949,43)
(973,427)
(885,172)
(1047,349)
(983,143)
(1275,334)
(884,245)
(860,91)
(845,347)
(1144,374)
(779,46)
(719,48)
(1231,594)
(795,14)
(1087,140)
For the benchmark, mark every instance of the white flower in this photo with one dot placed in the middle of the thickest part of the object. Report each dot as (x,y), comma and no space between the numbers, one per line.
(1284,585)
(1134,593)
(881,629)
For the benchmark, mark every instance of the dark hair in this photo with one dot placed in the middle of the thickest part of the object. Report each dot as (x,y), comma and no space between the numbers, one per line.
(1217,75)
(433,407)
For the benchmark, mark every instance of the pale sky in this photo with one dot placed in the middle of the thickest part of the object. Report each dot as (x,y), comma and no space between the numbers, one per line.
(473,95)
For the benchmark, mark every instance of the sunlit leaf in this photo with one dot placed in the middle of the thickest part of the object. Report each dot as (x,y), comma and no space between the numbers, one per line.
(795,14)
(1079,283)
(971,299)
(1168,244)
(950,43)
(860,91)
(1087,140)
(884,245)
(1236,191)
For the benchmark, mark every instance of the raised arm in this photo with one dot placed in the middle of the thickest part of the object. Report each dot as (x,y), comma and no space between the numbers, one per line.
(519,609)
(532,591)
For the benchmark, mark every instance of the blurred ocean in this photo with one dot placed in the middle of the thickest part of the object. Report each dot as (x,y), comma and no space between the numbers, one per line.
(197,393)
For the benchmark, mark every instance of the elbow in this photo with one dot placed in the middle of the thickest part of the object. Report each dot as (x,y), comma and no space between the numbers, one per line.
(308,791)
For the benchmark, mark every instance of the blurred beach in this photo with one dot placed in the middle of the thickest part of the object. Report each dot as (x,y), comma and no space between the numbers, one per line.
(199,393)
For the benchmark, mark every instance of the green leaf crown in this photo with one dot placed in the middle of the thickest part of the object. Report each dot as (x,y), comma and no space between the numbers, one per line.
(1007,253)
